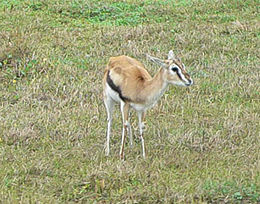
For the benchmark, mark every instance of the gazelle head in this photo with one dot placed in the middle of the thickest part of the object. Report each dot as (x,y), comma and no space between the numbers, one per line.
(175,72)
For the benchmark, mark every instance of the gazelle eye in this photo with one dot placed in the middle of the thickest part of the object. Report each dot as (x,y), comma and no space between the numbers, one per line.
(175,69)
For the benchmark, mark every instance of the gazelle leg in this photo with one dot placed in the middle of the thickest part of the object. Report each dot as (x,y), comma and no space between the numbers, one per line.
(141,128)
(130,132)
(125,113)
(109,103)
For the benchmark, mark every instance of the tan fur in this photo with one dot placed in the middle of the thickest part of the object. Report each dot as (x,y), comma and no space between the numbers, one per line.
(132,78)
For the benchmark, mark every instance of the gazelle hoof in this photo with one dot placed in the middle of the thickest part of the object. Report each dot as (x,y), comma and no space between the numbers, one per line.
(106,152)
(122,157)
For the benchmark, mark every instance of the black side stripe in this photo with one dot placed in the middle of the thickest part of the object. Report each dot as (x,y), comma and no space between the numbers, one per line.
(116,88)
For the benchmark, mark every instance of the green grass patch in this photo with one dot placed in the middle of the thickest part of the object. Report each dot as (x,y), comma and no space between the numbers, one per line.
(249,193)
(202,142)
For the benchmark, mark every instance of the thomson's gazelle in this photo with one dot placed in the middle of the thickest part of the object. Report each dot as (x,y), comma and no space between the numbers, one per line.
(127,82)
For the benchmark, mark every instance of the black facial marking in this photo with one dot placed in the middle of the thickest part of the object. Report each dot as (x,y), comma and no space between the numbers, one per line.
(175,69)
(179,75)
(116,88)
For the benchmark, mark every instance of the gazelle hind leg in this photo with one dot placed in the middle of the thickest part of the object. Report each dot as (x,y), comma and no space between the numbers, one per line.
(141,128)
(109,103)
(125,112)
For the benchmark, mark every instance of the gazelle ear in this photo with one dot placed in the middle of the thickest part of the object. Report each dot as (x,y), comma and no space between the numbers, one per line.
(156,60)
(171,55)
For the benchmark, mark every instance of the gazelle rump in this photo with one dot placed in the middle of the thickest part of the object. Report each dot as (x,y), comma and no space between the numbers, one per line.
(127,82)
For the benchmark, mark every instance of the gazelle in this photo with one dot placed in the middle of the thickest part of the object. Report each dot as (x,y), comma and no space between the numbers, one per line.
(127,82)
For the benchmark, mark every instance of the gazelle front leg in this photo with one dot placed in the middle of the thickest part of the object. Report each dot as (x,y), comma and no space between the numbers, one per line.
(125,112)
(130,132)
(141,128)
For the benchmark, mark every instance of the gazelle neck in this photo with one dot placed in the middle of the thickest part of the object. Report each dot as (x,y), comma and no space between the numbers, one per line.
(156,87)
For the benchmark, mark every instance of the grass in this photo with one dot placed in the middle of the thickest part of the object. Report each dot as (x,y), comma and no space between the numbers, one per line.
(202,142)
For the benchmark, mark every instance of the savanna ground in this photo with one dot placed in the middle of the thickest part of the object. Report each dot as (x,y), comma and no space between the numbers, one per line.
(202,142)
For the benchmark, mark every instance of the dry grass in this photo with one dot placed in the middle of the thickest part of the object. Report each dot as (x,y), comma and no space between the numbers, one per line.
(202,142)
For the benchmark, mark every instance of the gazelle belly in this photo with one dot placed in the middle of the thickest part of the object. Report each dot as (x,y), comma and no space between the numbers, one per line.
(141,107)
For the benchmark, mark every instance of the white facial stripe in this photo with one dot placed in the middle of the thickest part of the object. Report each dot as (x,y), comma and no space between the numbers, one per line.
(179,73)
(183,77)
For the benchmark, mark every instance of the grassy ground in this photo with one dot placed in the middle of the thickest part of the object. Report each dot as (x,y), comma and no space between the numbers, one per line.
(202,142)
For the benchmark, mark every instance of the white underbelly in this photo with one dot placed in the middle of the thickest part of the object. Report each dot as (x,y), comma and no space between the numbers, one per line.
(138,107)
(141,107)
